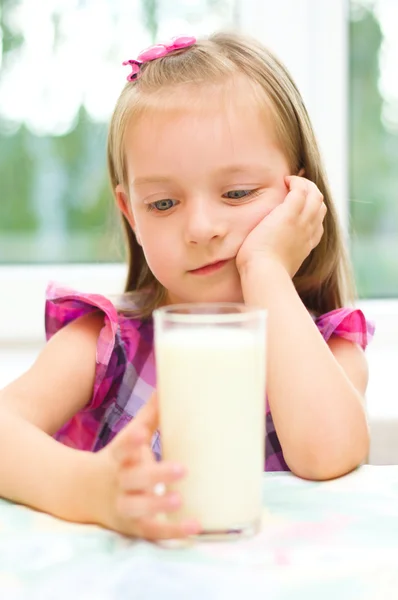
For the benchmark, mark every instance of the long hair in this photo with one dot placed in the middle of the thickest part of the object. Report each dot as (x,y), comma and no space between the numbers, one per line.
(324,281)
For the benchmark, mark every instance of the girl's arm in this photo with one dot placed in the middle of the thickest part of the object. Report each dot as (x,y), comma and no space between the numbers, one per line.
(35,469)
(113,487)
(315,390)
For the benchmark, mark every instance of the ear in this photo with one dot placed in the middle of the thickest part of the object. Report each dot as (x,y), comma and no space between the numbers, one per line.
(122,200)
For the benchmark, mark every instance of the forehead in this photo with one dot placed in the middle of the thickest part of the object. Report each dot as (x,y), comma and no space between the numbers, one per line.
(201,120)
(236,90)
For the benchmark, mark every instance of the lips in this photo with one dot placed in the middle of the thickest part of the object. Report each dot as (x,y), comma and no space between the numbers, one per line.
(210,268)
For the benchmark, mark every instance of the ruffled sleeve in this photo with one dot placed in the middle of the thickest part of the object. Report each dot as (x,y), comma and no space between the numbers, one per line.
(347,323)
(64,305)
(124,374)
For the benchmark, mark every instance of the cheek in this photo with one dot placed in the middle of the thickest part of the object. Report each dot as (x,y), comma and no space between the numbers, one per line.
(259,209)
(158,246)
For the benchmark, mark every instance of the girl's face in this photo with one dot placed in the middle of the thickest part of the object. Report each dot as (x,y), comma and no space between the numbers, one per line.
(201,177)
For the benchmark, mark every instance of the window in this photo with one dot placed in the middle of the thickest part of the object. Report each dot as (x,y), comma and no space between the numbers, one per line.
(61,73)
(373,181)
(373,137)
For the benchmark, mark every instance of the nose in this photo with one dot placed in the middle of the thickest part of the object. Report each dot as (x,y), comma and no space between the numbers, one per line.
(203,222)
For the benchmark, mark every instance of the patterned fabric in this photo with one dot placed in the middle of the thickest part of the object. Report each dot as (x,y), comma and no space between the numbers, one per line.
(125,370)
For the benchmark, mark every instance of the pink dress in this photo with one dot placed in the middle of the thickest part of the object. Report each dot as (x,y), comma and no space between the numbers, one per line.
(125,369)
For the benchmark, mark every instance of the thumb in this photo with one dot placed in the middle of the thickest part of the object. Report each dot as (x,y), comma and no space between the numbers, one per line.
(128,444)
(148,415)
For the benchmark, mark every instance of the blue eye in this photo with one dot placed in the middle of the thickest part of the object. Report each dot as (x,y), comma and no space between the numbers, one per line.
(239,194)
(162,205)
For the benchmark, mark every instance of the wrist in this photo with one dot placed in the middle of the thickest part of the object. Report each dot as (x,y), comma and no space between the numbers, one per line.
(263,280)
(89,488)
(260,262)
(99,486)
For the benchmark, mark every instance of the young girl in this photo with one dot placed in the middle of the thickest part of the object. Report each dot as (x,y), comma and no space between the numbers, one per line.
(217,175)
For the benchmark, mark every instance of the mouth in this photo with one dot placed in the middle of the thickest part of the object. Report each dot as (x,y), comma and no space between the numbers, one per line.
(211,267)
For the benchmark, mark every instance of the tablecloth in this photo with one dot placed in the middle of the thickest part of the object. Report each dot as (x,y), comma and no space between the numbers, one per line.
(328,540)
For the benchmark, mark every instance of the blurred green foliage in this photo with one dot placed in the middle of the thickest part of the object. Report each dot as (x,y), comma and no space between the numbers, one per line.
(373,155)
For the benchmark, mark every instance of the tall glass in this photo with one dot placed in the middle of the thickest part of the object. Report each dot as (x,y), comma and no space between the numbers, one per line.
(210,361)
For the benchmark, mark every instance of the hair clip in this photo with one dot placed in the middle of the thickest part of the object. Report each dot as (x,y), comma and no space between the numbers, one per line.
(157,51)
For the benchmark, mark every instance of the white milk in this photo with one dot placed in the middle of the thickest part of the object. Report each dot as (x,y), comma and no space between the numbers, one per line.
(211,384)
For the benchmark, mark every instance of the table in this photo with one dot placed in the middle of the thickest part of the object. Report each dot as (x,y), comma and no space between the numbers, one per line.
(329,540)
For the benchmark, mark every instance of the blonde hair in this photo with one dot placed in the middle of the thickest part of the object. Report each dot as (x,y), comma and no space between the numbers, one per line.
(324,281)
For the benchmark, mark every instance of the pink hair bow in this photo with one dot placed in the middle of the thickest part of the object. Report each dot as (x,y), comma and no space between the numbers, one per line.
(157,51)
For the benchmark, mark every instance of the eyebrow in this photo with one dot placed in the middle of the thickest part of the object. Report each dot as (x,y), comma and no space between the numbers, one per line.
(151,179)
(227,170)
(242,168)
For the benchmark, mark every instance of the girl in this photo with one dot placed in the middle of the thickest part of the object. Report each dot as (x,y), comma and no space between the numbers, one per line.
(217,175)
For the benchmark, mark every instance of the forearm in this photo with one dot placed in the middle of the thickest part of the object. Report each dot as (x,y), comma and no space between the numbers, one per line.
(317,411)
(40,472)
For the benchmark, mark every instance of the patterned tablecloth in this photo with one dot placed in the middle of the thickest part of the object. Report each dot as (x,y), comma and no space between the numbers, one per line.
(331,540)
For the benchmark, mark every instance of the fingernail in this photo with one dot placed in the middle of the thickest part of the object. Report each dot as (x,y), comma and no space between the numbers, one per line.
(191,527)
(178,469)
(174,500)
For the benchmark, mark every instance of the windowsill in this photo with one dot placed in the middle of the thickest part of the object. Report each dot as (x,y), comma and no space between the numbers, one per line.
(23,290)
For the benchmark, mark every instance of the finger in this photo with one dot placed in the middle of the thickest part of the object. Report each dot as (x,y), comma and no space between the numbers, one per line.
(323,210)
(314,205)
(146,455)
(148,476)
(137,506)
(157,529)
(141,455)
(127,446)
(297,195)
(294,182)
(148,415)
(318,235)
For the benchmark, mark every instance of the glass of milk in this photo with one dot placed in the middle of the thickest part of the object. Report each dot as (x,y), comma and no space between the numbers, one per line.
(211,367)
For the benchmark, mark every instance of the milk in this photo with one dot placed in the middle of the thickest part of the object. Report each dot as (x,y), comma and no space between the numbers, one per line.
(211,387)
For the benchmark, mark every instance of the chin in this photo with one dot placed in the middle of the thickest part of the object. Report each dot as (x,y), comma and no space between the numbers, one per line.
(217,296)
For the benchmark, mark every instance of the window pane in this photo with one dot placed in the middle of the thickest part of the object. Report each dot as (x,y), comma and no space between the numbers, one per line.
(374,146)
(60,76)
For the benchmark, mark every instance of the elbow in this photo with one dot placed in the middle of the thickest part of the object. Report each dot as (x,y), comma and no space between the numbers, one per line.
(322,463)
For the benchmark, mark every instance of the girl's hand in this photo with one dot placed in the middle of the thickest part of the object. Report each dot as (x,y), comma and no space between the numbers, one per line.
(290,231)
(132,507)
